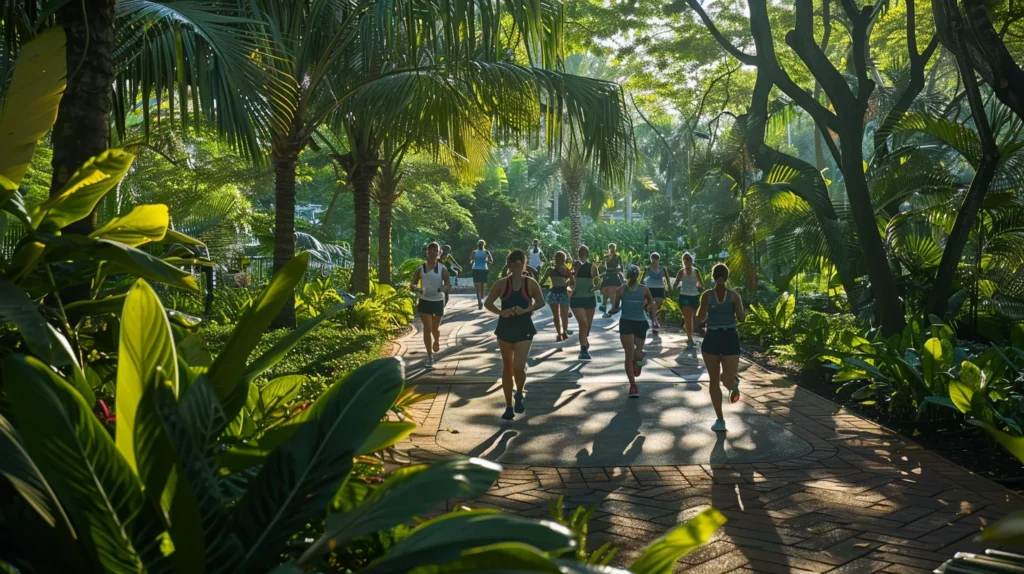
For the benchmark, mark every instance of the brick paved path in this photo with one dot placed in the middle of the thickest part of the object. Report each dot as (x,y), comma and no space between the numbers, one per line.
(862,499)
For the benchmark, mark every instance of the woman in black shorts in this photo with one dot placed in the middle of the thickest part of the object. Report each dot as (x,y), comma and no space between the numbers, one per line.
(432,283)
(583,303)
(635,300)
(480,262)
(722,308)
(612,278)
(654,279)
(520,297)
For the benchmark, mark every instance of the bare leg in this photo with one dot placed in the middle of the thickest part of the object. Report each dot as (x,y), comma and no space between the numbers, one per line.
(657,307)
(507,369)
(428,330)
(590,322)
(581,321)
(437,334)
(608,293)
(638,344)
(558,318)
(480,291)
(521,354)
(564,310)
(714,365)
(688,322)
(627,348)
(730,366)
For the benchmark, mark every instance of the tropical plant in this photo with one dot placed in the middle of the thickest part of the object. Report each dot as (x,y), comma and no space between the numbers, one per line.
(577,523)
(383,308)
(771,324)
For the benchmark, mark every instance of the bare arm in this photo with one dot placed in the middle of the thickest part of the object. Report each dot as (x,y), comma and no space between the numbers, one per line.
(675,282)
(702,312)
(737,306)
(536,295)
(415,277)
(618,299)
(648,300)
(446,280)
(496,290)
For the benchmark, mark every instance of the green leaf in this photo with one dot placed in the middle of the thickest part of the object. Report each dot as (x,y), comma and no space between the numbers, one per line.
(79,459)
(863,392)
(119,258)
(450,536)
(229,368)
(386,434)
(409,492)
(26,478)
(972,376)
(77,310)
(663,553)
(143,224)
(146,361)
(867,367)
(1008,531)
(301,476)
(508,558)
(931,359)
(1013,444)
(32,99)
(961,394)
(941,401)
(40,337)
(274,355)
(83,191)
(279,392)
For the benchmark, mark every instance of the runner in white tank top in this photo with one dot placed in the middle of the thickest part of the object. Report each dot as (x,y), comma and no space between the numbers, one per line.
(433,283)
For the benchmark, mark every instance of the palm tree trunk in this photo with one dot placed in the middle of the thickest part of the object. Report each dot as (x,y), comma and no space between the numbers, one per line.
(361,178)
(329,215)
(385,205)
(574,192)
(82,129)
(285,156)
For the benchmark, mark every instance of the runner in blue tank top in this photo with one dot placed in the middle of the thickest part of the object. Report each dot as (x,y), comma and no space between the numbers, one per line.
(654,279)
(480,260)
(520,297)
(723,308)
(634,299)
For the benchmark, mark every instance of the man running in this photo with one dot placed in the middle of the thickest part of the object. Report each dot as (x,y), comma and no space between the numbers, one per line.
(723,308)
(480,260)
(431,282)
(654,279)
(520,297)
(635,299)
(583,302)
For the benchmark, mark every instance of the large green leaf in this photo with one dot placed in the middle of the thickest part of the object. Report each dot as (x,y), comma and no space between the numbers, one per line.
(83,191)
(449,536)
(223,550)
(301,476)
(31,101)
(40,337)
(141,225)
(1008,531)
(407,493)
(230,365)
(662,554)
(92,307)
(274,354)
(19,468)
(931,360)
(79,459)
(386,434)
(279,392)
(961,395)
(118,258)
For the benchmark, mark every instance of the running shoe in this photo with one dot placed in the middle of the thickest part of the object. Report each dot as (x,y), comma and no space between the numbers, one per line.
(585,354)
(689,342)
(634,393)
(430,362)
(734,396)
(719,425)
(518,398)
(601,308)
(479,305)
(654,329)
(509,414)
(569,332)
(637,367)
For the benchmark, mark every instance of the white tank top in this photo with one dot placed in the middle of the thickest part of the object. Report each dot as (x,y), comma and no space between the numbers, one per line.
(535,258)
(432,281)
(688,283)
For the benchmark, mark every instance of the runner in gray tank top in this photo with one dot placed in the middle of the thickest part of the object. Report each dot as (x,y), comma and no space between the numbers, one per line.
(722,308)
(583,303)
(635,300)
(689,281)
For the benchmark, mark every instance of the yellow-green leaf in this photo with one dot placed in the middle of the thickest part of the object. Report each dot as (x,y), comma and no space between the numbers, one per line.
(931,358)
(143,224)
(971,375)
(961,395)
(662,554)
(83,191)
(31,102)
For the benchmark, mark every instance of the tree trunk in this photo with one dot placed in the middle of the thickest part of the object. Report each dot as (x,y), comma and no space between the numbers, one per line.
(82,129)
(574,193)
(285,156)
(361,179)
(888,307)
(329,215)
(385,205)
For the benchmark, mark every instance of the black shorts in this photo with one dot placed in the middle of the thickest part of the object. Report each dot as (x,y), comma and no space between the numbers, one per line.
(691,301)
(721,343)
(515,329)
(583,302)
(435,308)
(612,279)
(480,276)
(636,328)
(657,292)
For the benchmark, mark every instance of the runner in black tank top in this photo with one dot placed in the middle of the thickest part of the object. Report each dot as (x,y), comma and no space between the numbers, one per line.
(520,297)
(583,303)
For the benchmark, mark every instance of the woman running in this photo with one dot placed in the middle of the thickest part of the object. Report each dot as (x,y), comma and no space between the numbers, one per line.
(721,348)
(635,300)
(480,261)
(583,302)
(453,266)
(434,283)
(612,279)
(558,296)
(654,279)
(688,282)
(520,296)
(536,259)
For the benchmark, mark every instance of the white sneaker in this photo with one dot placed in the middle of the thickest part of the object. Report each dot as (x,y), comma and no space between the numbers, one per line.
(430,362)
(719,425)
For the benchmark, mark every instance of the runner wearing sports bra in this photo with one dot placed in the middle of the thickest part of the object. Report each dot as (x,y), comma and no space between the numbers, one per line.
(612,278)
(431,282)
(583,302)
(723,308)
(635,299)
(558,296)
(520,297)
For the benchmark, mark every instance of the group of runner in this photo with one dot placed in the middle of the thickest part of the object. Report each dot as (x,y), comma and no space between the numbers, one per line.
(638,294)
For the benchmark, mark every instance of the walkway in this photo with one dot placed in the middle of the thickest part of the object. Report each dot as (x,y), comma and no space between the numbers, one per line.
(806,485)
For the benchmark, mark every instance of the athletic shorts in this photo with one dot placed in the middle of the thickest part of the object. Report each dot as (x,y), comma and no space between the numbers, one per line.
(435,308)
(721,343)
(558,298)
(583,302)
(515,329)
(612,280)
(636,328)
(480,275)
(692,301)
(657,292)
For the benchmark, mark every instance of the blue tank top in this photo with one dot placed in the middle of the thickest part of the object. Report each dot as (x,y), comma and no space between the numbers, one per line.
(721,316)
(633,304)
(480,259)
(518,297)
(655,279)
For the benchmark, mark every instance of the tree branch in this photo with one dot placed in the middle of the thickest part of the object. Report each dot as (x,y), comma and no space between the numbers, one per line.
(722,40)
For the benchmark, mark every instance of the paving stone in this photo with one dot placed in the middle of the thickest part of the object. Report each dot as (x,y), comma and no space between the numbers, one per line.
(860,566)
